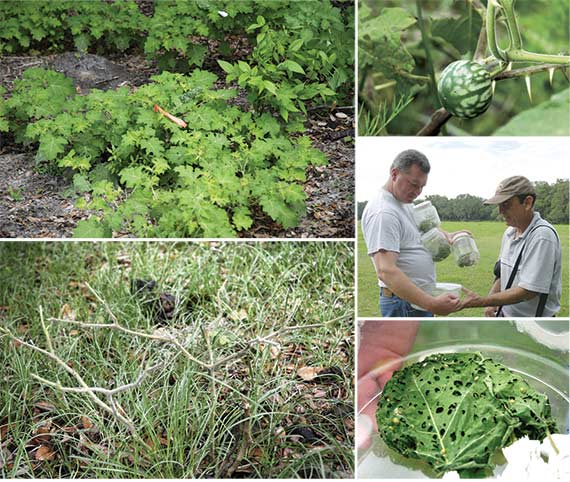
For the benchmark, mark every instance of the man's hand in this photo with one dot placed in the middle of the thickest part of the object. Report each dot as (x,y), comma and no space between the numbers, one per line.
(445,304)
(381,345)
(491,311)
(473,300)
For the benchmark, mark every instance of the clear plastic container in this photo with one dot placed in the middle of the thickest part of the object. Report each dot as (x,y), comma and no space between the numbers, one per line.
(544,369)
(425,216)
(447,288)
(436,243)
(464,250)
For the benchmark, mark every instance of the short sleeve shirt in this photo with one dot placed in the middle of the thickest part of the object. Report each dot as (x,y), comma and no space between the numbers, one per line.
(388,224)
(540,268)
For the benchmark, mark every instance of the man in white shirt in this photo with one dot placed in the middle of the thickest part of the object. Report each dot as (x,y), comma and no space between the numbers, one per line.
(529,281)
(405,269)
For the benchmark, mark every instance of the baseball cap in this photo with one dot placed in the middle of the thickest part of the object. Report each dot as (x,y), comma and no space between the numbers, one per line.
(509,187)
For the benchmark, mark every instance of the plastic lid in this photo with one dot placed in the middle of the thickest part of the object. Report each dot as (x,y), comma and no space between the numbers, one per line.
(433,233)
(448,286)
(457,236)
(550,334)
(425,204)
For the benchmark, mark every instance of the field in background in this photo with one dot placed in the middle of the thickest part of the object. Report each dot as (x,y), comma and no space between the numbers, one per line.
(477,278)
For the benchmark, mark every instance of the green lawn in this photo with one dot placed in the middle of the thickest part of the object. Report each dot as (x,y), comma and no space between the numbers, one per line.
(478,278)
(253,416)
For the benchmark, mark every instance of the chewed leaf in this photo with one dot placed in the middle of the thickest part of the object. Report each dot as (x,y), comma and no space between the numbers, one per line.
(455,410)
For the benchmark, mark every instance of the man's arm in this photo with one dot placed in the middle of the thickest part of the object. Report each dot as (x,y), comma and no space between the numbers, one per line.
(513,295)
(402,286)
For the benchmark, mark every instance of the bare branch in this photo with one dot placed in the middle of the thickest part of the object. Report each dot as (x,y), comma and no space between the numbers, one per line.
(105,391)
(152,336)
(72,372)
(438,119)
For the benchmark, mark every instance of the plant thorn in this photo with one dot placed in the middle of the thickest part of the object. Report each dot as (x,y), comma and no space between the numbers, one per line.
(528,90)
(551,75)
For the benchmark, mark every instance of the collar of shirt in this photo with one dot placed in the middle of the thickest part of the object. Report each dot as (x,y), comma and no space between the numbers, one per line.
(512,233)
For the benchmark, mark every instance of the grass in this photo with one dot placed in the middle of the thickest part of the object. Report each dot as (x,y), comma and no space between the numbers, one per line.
(478,278)
(239,420)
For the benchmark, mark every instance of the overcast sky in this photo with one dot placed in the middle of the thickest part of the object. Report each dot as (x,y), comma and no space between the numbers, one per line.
(472,165)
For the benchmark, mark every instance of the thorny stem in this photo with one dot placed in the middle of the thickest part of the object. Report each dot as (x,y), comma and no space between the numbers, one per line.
(535,69)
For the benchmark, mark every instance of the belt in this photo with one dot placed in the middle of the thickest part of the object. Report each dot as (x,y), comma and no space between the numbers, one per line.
(386,292)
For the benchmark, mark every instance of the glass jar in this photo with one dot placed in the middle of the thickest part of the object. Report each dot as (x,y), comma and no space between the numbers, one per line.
(465,250)
(436,243)
(425,216)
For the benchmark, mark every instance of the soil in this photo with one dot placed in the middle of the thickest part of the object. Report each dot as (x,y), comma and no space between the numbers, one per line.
(35,204)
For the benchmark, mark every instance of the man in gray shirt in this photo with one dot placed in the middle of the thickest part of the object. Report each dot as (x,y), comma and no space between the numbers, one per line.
(405,269)
(529,282)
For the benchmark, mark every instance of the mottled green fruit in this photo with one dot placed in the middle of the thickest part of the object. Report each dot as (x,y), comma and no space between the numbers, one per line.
(465,89)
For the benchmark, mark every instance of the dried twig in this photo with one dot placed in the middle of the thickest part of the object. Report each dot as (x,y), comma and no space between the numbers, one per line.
(87,389)
(109,392)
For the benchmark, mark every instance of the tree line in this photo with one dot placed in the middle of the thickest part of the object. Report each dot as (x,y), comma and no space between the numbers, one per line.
(552,202)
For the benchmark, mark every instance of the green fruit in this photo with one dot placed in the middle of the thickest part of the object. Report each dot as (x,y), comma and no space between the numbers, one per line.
(465,89)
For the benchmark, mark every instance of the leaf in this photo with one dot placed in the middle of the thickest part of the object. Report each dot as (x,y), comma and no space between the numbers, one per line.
(551,118)
(293,66)
(460,33)
(308,373)
(226,66)
(67,313)
(51,146)
(86,422)
(44,452)
(133,176)
(380,46)
(92,228)
(455,410)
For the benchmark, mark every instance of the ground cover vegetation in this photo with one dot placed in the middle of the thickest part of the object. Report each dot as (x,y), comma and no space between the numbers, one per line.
(176,360)
(179,156)
(478,278)
(468,67)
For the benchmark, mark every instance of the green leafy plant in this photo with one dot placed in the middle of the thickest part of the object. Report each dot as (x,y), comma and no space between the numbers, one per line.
(94,25)
(148,176)
(454,410)
(496,43)
(297,58)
